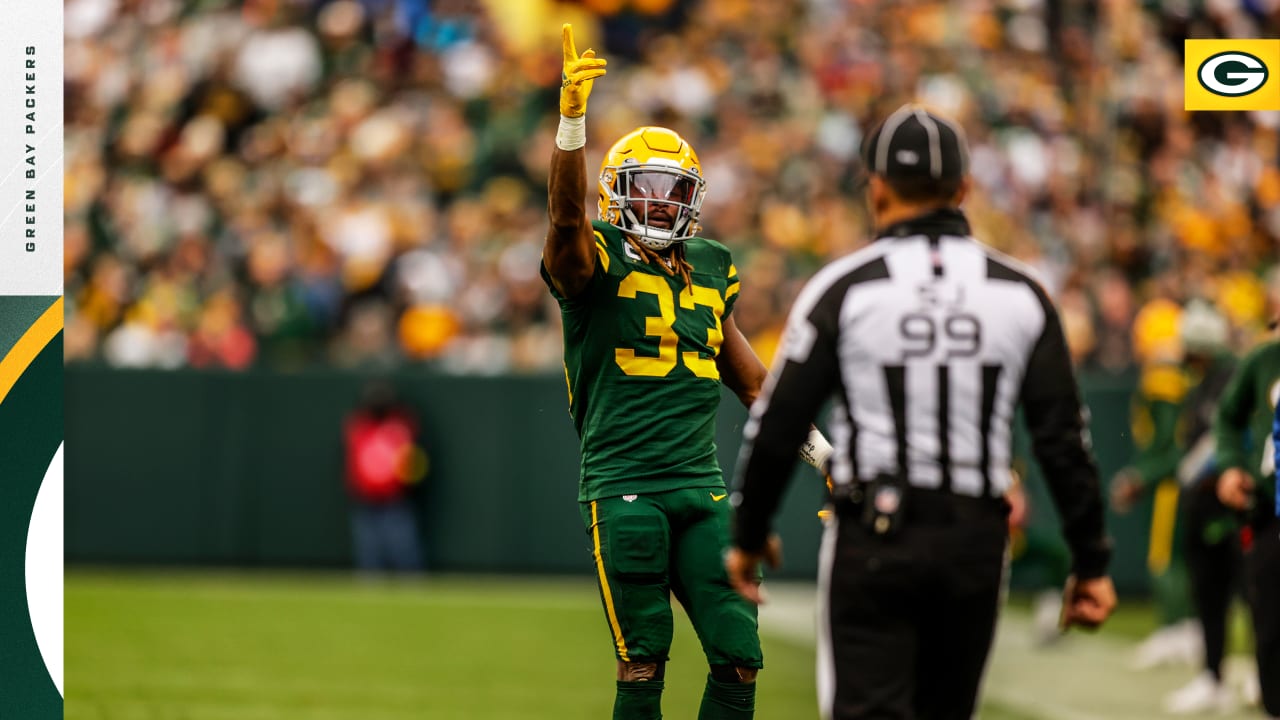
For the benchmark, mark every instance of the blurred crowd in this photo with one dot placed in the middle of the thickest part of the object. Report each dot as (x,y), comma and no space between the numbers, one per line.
(361,183)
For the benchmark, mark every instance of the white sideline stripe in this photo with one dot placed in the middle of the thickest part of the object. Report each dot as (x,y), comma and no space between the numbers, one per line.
(825,660)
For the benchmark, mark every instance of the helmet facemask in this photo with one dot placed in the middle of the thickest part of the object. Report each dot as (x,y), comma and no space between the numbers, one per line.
(657,202)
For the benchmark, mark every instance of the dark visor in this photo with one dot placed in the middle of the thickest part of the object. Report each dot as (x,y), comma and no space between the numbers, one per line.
(661,186)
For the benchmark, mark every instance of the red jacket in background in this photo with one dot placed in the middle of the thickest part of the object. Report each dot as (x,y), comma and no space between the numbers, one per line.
(379,454)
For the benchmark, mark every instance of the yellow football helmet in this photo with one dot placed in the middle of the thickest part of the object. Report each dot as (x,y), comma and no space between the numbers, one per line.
(651,187)
(1155,332)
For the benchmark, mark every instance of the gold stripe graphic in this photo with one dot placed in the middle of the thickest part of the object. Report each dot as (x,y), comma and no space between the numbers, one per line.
(604,588)
(1164,514)
(600,250)
(29,346)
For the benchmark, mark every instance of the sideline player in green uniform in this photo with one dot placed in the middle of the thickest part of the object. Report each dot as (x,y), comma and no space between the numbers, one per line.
(1194,552)
(1186,366)
(1243,425)
(649,336)
(1155,408)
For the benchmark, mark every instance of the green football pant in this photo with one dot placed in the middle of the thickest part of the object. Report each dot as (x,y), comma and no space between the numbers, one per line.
(647,548)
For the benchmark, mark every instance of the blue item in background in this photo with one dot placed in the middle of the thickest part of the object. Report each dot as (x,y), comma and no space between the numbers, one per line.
(1275,448)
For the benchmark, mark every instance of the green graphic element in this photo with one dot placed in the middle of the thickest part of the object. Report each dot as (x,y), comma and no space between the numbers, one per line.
(30,432)
(17,314)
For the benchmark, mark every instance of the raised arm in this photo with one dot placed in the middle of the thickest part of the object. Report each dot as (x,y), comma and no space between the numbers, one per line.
(569,253)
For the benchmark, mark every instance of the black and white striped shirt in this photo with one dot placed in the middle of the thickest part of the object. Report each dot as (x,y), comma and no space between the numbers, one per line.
(928,341)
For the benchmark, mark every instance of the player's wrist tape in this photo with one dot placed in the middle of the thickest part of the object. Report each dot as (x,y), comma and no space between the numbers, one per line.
(816,450)
(572,133)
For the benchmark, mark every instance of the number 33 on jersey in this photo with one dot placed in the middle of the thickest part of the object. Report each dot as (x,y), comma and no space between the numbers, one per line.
(640,359)
(653,325)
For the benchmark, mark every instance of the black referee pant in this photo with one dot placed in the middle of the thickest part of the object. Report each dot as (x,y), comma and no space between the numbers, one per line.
(1262,587)
(906,621)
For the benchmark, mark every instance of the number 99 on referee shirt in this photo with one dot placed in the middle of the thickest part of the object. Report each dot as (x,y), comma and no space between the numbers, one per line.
(937,329)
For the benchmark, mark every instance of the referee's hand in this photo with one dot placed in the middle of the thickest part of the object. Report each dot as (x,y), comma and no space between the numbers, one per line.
(743,568)
(1087,603)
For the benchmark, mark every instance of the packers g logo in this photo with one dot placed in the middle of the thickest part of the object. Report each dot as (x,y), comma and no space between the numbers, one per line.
(1231,75)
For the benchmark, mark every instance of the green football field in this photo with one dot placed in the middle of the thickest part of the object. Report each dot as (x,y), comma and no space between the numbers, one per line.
(215,647)
(221,646)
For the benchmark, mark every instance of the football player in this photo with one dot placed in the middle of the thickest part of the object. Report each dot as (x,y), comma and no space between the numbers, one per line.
(649,336)
(1246,414)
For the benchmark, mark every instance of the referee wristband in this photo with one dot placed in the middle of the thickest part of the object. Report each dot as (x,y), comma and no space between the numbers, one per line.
(572,133)
(816,450)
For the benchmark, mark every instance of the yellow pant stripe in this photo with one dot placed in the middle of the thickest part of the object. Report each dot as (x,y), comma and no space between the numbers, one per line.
(1164,515)
(604,588)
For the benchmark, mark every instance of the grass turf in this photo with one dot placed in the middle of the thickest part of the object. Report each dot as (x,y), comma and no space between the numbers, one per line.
(214,647)
(244,646)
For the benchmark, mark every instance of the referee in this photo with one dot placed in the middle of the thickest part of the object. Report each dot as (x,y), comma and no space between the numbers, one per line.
(928,341)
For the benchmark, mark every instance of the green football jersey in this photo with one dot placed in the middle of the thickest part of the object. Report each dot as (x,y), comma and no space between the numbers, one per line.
(640,360)
(1245,414)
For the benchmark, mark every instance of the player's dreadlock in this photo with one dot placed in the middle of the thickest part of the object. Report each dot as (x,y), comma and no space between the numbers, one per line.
(678,261)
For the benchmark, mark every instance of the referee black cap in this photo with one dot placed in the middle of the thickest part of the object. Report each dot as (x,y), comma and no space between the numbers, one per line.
(915,144)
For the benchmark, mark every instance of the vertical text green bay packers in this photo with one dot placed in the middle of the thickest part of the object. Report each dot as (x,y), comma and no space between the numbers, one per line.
(29,114)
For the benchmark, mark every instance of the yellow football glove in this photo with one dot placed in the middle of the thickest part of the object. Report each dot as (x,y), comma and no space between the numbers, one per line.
(577,76)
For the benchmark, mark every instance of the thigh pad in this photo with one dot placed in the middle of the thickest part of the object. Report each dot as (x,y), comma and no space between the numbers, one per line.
(637,546)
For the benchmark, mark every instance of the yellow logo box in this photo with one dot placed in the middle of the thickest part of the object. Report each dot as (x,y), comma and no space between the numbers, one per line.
(1232,75)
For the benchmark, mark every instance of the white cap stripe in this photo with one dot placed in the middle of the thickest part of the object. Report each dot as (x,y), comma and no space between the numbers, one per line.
(891,125)
(961,145)
(935,143)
